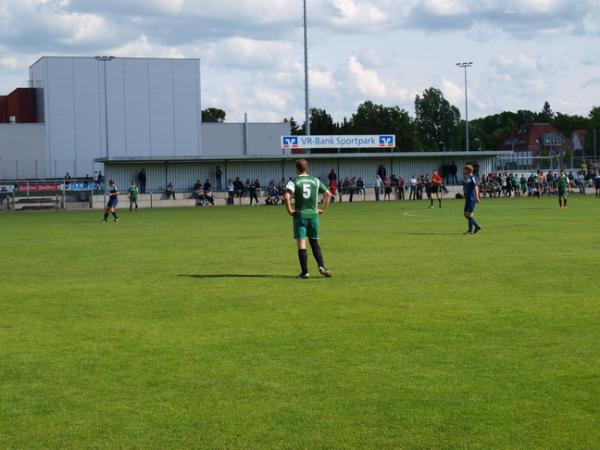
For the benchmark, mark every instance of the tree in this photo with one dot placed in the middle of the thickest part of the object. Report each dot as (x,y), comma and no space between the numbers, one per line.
(295,129)
(322,123)
(546,115)
(372,118)
(213,115)
(436,119)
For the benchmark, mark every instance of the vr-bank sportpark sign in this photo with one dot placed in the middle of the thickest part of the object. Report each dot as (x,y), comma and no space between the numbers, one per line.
(310,142)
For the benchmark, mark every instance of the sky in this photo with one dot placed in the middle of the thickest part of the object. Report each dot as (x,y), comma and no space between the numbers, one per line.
(524,52)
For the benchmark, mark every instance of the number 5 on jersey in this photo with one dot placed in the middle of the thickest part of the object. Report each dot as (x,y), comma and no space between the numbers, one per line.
(306,190)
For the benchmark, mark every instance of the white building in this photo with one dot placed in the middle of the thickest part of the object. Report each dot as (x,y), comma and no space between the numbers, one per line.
(105,107)
(102,107)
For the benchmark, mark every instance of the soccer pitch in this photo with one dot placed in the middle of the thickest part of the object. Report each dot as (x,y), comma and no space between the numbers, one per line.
(186,328)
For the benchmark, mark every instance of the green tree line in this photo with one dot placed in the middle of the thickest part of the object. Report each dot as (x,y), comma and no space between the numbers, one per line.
(437,124)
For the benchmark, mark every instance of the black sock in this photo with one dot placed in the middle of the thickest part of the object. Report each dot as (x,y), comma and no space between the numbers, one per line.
(565,202)
(316,250)
(303,258)
(115,215)
(105,215)
(440,202)
(560,201)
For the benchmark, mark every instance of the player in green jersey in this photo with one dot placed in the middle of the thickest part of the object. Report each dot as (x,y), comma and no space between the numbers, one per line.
(133,194)
(563,187)
(305,191)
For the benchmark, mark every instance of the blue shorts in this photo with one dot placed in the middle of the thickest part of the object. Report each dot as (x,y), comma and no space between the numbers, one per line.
(112,203)
(470,205)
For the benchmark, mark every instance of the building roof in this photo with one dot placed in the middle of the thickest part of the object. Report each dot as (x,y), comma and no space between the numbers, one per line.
(534,137)
(410,155)
(114,57)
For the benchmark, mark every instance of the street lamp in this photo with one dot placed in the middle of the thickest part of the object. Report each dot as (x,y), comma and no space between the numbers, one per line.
(104,60)
(478,140)
(466,65)
(306,97)
(442,143)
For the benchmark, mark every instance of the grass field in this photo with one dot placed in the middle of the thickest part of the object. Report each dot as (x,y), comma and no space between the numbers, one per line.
(186,328)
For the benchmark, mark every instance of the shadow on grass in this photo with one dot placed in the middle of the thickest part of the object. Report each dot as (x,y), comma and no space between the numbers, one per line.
(235,275)
(426,233)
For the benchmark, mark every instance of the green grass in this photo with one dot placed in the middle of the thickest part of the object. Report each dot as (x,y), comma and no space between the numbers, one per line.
(184,328)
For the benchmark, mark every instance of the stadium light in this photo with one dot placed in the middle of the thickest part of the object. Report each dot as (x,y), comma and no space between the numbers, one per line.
(104,60)
(466,65)
(306,89)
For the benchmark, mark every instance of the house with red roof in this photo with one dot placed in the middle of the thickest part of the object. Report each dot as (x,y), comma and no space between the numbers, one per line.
(535,138)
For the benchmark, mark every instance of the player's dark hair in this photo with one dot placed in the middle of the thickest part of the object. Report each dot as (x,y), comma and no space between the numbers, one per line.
(302,165)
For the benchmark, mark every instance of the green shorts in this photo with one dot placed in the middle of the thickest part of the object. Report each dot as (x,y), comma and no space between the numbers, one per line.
(306,228)
(562,192)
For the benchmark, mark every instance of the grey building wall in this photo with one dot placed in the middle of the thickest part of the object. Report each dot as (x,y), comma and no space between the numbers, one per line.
(23,151)
(151,107)
(238,139)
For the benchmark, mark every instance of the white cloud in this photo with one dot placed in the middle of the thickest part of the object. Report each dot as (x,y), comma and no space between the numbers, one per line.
(322,80)
(453,92)
(358,14)
(366,81)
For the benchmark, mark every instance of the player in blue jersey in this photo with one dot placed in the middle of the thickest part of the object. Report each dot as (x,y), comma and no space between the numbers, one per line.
(471,199)
(113,201)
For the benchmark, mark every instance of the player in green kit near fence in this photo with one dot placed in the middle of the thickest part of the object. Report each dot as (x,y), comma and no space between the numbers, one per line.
(133,195)
(305,190)
(563,188)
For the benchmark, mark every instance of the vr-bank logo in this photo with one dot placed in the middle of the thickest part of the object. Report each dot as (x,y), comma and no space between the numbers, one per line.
(290,141)
(388,140)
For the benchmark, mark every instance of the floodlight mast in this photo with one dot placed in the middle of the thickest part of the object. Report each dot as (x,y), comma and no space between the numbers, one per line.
(466,65)
(306,88)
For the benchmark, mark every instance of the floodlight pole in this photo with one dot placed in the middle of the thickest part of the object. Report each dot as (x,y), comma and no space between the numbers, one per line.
(104,60)
(306,89)
(466,65)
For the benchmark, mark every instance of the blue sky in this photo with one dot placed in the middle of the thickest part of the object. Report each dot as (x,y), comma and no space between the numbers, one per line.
(525,51)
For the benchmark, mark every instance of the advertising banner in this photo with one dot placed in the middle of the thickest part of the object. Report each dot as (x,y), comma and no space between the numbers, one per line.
(382,141)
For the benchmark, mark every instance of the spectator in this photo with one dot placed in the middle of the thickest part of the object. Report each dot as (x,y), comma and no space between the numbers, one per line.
(219,177)
(333,189)
(197,190)
(230,192)
(208,193)
(142,181)
(387,188)
(238,187)
(170,191)
(352,188)
(332,177)
(207,185)
(344,188)
(453,173)
(377,186)
(253,188)
(360,186)
(413,188)
(382,172)
(401,184)
(581,182)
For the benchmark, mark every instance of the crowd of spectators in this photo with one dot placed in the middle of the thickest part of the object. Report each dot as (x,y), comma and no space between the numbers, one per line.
(536,184)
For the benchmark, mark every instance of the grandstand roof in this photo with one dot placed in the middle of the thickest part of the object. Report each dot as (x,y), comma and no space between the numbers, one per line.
(403,155)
